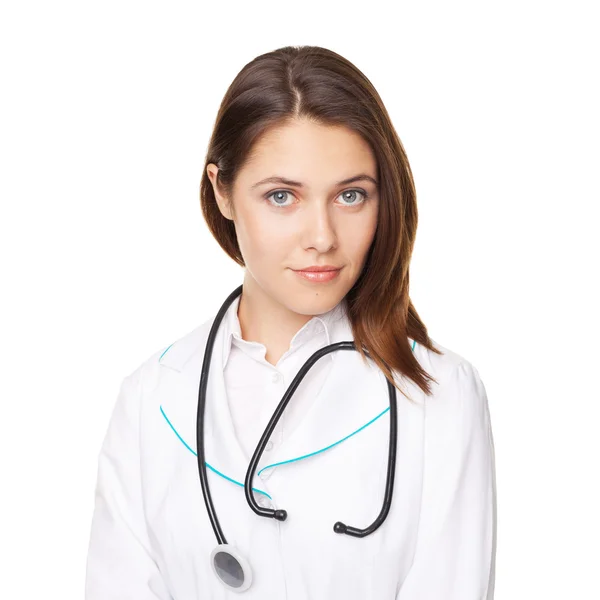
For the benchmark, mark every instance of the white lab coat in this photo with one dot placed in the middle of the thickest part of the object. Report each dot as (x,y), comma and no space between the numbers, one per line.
(151,537)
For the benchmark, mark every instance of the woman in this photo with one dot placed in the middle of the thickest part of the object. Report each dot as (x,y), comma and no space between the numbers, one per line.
(307,186)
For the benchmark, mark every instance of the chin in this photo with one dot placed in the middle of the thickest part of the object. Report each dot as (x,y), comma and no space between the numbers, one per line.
(314,303)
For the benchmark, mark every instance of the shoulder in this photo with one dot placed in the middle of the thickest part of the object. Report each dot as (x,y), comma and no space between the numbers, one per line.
(459,388)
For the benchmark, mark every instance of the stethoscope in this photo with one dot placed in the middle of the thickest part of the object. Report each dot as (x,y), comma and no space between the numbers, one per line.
(230,567)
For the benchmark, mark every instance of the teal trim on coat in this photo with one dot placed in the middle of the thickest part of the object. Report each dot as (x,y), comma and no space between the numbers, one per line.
(279,463)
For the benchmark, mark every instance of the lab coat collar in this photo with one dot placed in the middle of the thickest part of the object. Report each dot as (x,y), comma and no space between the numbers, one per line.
(353,396)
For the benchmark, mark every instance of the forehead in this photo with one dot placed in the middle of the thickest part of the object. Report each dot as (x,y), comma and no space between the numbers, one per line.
(306,149)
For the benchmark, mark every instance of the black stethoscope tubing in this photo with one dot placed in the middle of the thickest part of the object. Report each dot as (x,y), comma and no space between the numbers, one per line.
(281,514)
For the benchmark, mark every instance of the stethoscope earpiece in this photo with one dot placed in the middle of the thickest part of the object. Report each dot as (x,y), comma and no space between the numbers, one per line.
(339,527)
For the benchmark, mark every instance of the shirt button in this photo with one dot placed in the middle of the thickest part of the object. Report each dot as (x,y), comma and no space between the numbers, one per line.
(263,501)
(269,446)
(276,377)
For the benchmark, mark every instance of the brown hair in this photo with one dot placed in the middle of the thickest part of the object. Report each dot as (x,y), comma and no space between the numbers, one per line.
(315,83)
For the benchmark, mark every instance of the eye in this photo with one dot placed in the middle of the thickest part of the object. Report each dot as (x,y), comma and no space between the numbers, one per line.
(279,195)
(347,194)
(361,192)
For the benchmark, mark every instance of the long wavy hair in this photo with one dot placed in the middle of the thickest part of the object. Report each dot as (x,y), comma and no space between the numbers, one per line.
(318,84)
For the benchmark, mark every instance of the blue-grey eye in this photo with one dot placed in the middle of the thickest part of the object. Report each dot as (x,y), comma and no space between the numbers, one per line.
(350,192)
(281,195)
(277,196)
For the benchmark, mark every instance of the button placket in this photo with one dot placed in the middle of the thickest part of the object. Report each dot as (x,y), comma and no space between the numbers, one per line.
(265,460)
(264,502)
(275,378)
(265,474)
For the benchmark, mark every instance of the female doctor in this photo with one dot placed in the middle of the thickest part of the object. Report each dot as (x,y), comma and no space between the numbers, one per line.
(266,452)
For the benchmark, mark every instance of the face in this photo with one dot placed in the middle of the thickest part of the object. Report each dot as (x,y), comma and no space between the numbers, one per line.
(313,218)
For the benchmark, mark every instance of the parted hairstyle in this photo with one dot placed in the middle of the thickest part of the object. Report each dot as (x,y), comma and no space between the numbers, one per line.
(317,84)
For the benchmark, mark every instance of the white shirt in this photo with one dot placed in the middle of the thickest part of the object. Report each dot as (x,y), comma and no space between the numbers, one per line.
(151,536)
(255,387)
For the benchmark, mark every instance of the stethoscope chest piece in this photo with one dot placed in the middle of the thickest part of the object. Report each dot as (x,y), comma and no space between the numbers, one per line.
(231,568)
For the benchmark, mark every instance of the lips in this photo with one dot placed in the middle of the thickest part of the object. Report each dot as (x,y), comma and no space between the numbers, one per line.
(319,275)
(317,269)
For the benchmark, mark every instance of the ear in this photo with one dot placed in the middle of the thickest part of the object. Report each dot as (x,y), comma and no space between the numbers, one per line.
(222,201)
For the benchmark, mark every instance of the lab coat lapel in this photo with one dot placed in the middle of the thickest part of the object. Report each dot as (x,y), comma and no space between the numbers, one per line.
(353,395)
(221,447)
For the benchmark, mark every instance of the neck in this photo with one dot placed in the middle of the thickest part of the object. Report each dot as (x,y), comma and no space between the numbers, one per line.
(267,322)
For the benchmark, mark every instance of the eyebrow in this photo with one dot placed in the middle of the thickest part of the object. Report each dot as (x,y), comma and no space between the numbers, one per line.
(298,184)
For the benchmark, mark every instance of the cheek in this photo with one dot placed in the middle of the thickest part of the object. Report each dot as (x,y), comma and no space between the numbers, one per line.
(262,236)
(359,235)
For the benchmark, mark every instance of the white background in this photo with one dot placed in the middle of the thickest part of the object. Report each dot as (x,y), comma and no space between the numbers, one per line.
(106,112)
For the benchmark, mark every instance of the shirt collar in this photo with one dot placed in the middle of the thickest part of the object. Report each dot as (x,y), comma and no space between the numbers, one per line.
(319,323)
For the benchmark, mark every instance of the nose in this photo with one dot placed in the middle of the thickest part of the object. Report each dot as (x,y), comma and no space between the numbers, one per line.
(319,227)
